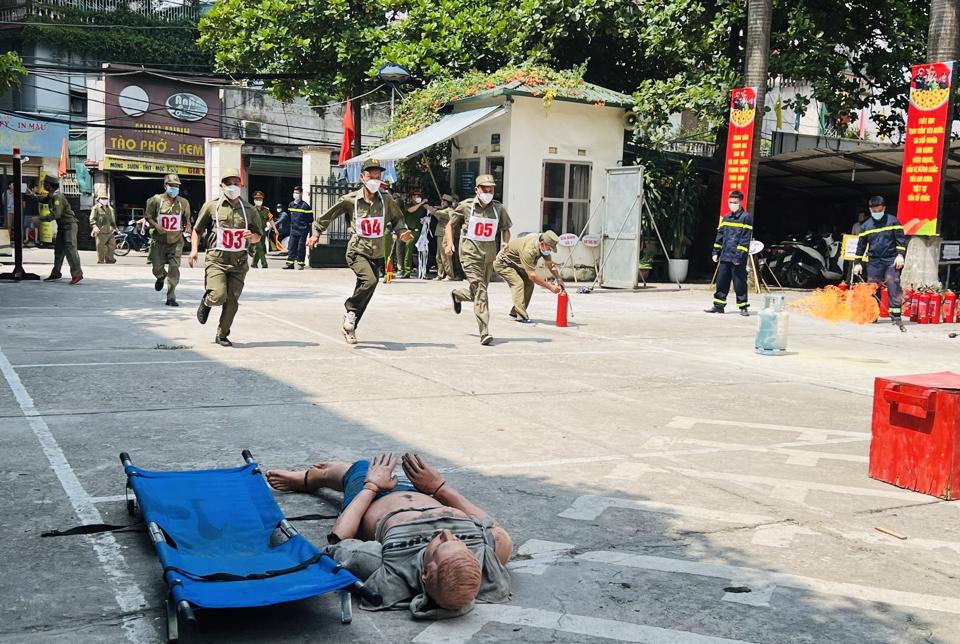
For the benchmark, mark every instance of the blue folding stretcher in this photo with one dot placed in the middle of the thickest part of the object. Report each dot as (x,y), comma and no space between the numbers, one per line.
(224,543)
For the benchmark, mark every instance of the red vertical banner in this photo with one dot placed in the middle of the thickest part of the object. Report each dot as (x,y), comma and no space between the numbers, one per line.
(928,129)
(736,166)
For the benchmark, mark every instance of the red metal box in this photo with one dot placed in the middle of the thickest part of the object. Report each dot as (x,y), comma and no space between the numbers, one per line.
(916,433)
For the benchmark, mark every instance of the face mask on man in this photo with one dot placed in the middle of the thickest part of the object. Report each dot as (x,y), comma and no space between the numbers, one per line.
(877,216)
(173,191)
(546,253)
(373,185)
(417,199)
(485,197)
(734,206)
(296,196)
(231,192)
(104,201)
(258,202)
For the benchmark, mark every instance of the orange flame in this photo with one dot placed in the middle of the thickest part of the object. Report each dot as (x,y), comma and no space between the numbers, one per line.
(857,305)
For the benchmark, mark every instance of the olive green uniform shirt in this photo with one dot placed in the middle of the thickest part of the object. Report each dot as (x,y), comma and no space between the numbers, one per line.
(384,206)
(103,218)
(461,217)
(161,204)
(60,209)
(219,212)
(523,253)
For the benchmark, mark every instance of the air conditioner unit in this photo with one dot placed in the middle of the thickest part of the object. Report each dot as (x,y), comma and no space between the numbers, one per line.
(252,130)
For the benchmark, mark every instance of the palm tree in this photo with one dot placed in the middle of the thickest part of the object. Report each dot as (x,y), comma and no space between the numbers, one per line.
(943,43)
(756,64)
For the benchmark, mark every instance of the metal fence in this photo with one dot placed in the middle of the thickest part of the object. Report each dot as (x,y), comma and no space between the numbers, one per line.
(165,10)
(323,196)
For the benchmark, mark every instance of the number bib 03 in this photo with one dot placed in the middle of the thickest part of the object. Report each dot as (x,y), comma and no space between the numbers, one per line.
(231,239)
(481,229)
(370,227)
(170,222)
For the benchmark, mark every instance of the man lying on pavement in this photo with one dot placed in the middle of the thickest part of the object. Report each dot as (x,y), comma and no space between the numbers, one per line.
(416,541)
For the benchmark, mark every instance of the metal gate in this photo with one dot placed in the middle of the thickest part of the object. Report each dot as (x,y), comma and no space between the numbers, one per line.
(620,241)
(323,195)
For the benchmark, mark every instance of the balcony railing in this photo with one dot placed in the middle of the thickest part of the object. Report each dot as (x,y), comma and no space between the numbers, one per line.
(165,10)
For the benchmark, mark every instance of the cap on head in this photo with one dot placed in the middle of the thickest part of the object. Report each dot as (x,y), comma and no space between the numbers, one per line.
(877,201)
(449,198)
(101,193)
(551,239)
(735,194)
(51,180)
(372,164)
(486,180)
(258,193)
(171,180)
(229,173)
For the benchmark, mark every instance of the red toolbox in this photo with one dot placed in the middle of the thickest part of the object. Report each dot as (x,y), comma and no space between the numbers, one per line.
(916,433)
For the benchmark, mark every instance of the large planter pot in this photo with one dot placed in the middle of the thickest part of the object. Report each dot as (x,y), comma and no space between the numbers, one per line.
(677,269)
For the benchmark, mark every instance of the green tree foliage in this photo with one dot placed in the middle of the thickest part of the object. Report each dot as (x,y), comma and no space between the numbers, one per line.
(12,71)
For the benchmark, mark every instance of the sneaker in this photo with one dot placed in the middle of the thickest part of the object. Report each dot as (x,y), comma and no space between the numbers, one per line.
(513,313)
(525,321)
(486,339)
(288,267)
(714,309)
(350,336)
(171,302)
(457,307)
(349,322)
(53,277)
(224,341)
(158,285)
(744,312)
(75,280)
(203,311)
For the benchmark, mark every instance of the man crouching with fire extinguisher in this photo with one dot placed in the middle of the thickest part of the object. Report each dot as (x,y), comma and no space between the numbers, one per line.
(883,244)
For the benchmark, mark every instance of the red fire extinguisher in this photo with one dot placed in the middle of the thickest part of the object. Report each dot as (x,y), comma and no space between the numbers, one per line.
(562,300)
(923,308)
(934,310)
(949,307)
(915,306)
(884,303)
(843,286)
(906,309)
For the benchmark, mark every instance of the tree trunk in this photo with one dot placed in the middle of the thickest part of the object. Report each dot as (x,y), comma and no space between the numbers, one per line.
(755,73)
(357,125)
(943,43)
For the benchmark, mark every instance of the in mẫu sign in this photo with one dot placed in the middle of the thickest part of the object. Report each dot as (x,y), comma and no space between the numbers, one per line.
(736,166)
(921,181)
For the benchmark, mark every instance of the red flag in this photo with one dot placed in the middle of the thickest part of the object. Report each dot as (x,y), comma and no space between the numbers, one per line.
(62,168)
(346,150)
(243,180)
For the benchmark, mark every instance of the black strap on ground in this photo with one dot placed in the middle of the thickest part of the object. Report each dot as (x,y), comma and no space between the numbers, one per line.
(227,576)
(312,517)
(94,528)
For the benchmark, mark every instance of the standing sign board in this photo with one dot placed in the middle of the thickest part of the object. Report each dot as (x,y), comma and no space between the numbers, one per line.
(928,129)
(849,247)
(620,241)
(736,165)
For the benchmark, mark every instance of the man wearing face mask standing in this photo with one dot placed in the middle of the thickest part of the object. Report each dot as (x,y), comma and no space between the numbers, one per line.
(368,212)
(442,214)
(883,244)
(65,244)
(168,215)
(481,219)
(301,216)
(229,225)
(732,250)
(103,221)
(259,250)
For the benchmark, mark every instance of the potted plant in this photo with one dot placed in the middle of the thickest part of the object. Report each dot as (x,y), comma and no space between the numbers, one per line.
(645,266)
(673,194)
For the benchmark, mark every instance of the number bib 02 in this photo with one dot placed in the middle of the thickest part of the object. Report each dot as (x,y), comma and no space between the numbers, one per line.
(231,239)
(481,229)
(370,227)
(170,222)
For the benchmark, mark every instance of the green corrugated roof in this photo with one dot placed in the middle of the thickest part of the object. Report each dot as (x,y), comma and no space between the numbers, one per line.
(587,93)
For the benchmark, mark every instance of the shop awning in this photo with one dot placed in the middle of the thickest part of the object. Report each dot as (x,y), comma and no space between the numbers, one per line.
(445,129)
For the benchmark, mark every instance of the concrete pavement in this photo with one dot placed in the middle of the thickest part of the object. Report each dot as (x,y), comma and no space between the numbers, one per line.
(661,481)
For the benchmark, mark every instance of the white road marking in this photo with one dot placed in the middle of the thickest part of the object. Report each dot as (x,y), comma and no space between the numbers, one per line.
(463,629)
(128,595)
(588,508)
(746,576)
(814,433)
(109,499)
(541,554)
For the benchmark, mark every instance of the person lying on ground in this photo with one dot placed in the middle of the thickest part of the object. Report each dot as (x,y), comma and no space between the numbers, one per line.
(415,540)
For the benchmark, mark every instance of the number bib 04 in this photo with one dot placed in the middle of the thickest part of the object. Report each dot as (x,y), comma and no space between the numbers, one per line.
(231,239)
(170,222)
(481,229)
(370,227)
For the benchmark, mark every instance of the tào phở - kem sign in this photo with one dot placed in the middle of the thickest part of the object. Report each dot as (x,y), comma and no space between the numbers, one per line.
(736,166)
(928,128)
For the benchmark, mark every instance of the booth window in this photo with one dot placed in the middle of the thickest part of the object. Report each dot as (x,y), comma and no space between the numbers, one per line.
(466,171)
(565,204)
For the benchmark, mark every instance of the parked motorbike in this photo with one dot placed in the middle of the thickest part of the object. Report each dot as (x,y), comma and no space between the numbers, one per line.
(810,262)
(130,238)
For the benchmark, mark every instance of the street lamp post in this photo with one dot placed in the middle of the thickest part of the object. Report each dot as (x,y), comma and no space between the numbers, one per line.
(393,74)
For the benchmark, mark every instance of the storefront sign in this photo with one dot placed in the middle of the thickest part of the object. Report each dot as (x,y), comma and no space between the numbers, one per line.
(150,167)
(159,118)
(928,128)
(736,167)
(34,138)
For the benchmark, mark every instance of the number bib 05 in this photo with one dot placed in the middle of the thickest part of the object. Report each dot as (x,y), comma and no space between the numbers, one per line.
(370,227)
(231,239)
(481,229)
(170,222)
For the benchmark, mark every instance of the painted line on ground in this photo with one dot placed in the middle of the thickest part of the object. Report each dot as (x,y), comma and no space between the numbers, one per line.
(815,433)
(742,575)
(463,629)
(588,507)
(125,589)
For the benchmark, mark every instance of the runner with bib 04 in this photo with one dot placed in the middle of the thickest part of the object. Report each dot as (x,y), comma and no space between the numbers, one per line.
(370,211)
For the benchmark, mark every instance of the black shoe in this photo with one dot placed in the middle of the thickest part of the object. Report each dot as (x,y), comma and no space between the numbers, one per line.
(288,267)
(53,277)
(158,285)
(486,339)
(513,313)
(525,321)
(171,303)
(457,307)
(264,264)
(744,312)
(203,311)
(224,341)
(715,309)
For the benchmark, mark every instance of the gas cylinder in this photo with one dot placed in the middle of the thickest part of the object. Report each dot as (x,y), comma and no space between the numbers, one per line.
(773,326)
(906,307)
(933,312)
(923,308)
(915,306)
(562,303)
(949,307)
(884,303)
